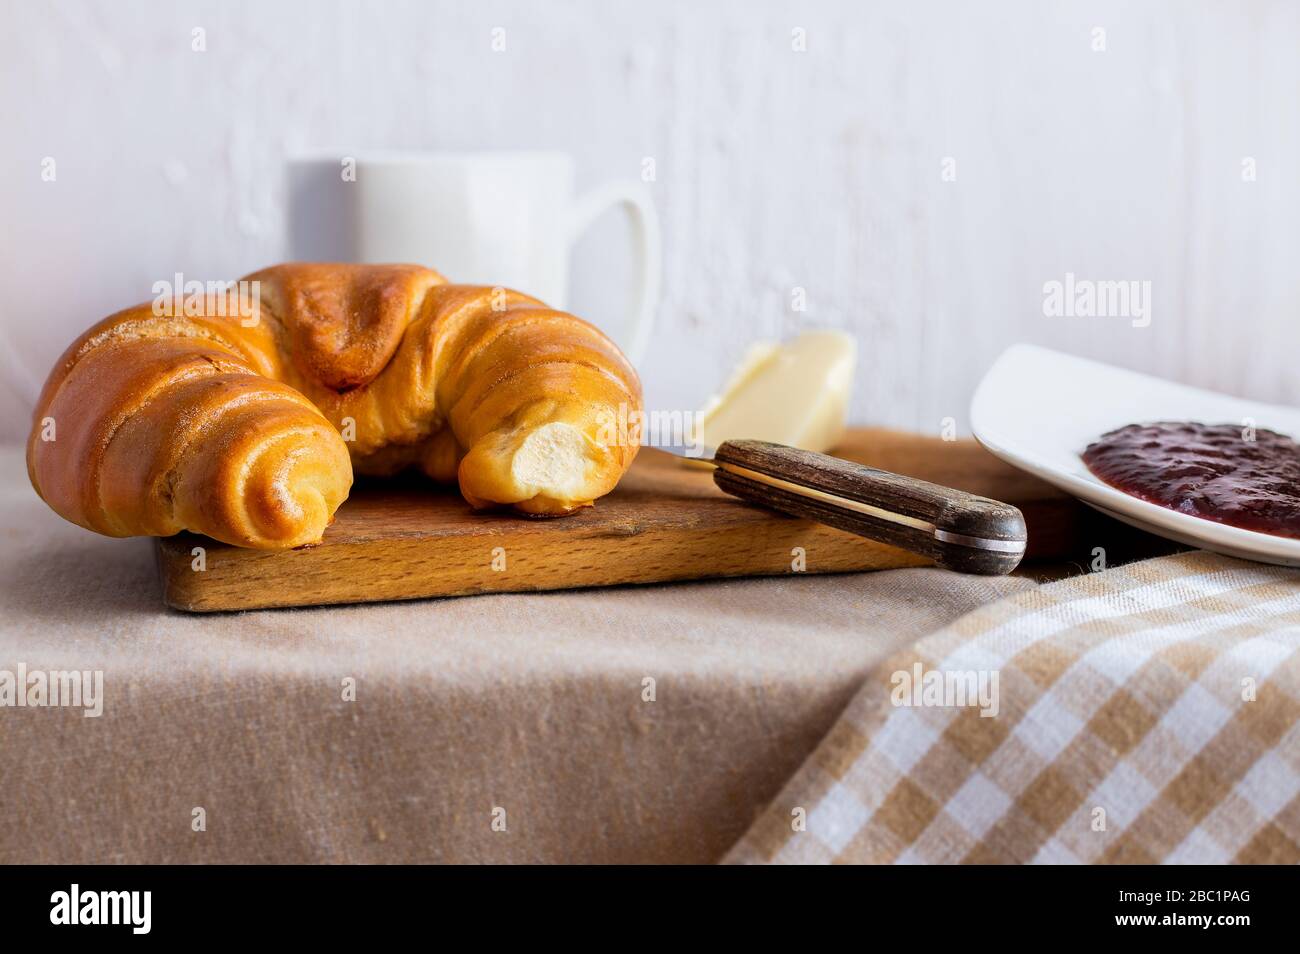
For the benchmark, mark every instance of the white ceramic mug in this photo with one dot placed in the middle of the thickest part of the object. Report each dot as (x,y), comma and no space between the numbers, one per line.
(507,219)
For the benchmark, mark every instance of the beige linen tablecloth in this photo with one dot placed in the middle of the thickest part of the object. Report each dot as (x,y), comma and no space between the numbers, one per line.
(528,712)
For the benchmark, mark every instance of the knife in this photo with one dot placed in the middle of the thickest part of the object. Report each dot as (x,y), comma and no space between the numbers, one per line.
(959,531)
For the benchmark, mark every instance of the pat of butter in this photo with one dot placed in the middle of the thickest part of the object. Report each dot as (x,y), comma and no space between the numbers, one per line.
(795,393)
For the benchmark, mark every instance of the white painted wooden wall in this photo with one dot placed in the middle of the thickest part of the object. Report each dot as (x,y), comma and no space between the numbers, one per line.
(776,169)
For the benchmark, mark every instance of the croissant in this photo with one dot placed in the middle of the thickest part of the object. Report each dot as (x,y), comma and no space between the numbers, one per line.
(244,420)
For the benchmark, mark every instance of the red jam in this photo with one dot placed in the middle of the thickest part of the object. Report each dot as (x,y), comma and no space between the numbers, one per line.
(1213,471)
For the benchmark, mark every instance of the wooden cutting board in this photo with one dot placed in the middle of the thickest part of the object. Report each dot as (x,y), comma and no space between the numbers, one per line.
(666,521)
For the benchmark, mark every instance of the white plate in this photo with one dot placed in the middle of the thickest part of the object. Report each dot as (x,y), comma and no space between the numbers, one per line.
(1038,409)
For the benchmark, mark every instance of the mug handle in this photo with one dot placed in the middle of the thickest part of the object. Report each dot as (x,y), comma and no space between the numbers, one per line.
(634,197)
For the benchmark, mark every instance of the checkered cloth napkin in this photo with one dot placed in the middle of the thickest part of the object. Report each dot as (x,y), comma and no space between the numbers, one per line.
(1149,713)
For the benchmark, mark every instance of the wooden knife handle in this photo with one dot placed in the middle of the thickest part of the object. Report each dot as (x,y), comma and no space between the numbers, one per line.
(959,531)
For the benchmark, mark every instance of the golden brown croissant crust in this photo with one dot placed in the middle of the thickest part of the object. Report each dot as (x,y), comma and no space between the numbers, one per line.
(245,423)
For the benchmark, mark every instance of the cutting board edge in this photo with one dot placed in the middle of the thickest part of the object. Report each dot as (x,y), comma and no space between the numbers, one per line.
(423,568)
